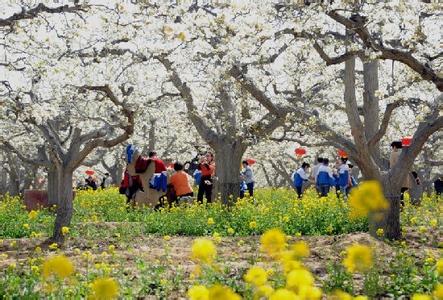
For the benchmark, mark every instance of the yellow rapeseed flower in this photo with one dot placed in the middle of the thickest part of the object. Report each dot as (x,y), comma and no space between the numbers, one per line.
(32,214)
(220,292)
(256,276)
(309,292)
(230,230)
(340,295)
(203,250)
(65,230)
(439,267)
(421,297)
(438,292)
(104,289)
(211,221)
(198,292)
(167,237)
(217,237)
(433,223)
(263,291)
(26,226)
(252,224)
(59,266)
(35,269)
(380,232)
(273,241)
(53,246)
(366,198)
(300,249)
(358,258)
(283,294)
(298,278)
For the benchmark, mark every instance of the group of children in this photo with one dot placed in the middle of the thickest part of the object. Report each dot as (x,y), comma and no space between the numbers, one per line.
(323,177)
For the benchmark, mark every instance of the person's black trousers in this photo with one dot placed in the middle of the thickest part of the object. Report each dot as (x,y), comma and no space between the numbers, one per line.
(205,189)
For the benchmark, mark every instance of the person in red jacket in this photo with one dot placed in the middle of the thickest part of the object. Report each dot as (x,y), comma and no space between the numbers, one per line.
(207,168)
(159,164)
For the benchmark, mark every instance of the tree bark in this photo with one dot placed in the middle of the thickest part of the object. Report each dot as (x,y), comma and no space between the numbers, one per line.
(228,158)
(388,220)
(64,206)
(371,109)
(53,187)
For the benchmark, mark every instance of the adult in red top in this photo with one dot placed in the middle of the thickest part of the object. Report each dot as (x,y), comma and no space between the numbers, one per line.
(159,164)
(207,168)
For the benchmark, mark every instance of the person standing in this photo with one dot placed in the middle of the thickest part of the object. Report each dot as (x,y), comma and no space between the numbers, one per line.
(325,178)
(343,177)
(299,177)
(106,181)
(207,168)
(248,176)
(315,173)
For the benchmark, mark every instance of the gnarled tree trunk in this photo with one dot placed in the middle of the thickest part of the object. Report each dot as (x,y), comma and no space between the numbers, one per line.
(65,204)
(53,187)
(228,158)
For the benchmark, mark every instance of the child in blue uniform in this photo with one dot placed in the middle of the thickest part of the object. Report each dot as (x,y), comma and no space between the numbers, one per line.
(325,179)
(299,177)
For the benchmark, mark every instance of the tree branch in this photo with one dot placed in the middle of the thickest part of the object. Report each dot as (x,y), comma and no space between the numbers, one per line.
(41,8)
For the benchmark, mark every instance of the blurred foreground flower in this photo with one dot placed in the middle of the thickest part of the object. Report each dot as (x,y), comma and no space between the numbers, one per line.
(104,289)
(367,198)
(358,258)
(203,250)
(59,266)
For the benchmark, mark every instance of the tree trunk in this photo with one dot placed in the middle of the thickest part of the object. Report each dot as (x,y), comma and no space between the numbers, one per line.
(64,206)
(371,109)
(388,220)
(53,187)
(3,181)
(228,157)
(14,182)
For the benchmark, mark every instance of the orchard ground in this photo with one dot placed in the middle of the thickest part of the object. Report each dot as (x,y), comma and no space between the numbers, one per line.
(149,252)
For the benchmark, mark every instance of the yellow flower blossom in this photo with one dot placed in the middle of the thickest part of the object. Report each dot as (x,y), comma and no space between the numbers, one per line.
(438,292)
(421,297)
(53,246)
(26,226)
(252,224)
(439,267)
(198,292)
(230,230)
(380,232)
(167,238)
(59,266)
(358,258)
(104,289)
(366,198)
(309,292)
(300,249)
(283,294)
(211,221)
(256,276)
(32,214)
(433,223)
(273,241)
(220,292)
(203,250)
(298,278)
(65,230)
